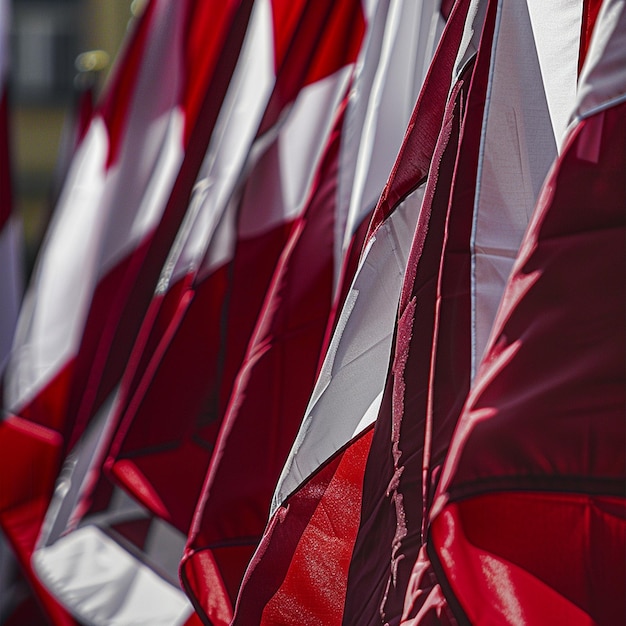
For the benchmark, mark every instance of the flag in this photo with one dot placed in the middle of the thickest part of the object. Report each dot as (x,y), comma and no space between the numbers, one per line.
(229,236)
(482,197)
(299,572)
(123,199)
(532,492)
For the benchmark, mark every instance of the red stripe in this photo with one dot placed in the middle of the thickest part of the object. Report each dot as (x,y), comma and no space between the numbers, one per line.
(536,558)
(429,378)
(313,40)
(208,25)
(591,8)
(318,521)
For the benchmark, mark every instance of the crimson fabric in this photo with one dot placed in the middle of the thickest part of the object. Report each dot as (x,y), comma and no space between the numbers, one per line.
(430,373)
(69,400)
(292,575)
(271,390)
(533,489)
(196,344)
(25,483)
(299,573)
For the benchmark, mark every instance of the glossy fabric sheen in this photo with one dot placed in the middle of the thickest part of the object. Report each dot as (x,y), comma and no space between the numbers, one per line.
(547,412)
(299,573)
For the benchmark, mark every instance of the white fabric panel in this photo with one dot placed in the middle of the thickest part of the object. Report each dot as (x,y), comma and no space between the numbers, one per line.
(227,156)
(102,214)
(53,313)
(556,28)
(353,374)
(395,62)
(272,196)
(103,584)
(516,152)
(139,183)
(603,78)
(10,284)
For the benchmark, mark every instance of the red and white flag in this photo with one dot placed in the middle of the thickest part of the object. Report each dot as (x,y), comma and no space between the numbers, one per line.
(299,572)
(247,199)
(124,197)
(451,277)
(529,524)
(485,189)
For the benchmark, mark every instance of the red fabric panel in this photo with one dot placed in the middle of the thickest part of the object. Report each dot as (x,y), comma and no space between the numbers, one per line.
(536,558)
(547,412)
(276,378)
(591,8)
(31,455)
(292,572)
(312,41)
(314,588)
(166,482)
(20,526)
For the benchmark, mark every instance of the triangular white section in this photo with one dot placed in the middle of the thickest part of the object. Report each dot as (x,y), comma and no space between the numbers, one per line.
(349,388)
(53,314)
(518,147)
(556,27)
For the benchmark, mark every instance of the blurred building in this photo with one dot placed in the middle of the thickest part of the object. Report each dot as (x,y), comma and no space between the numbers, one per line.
(47,37)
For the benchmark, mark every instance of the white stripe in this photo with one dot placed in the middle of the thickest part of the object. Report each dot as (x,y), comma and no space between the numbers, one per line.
(518,147)
(556,26)
(349,388)
(603,78)
(102,584)
(53,313)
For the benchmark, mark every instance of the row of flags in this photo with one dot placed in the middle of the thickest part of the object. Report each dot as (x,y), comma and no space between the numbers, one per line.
(328,324)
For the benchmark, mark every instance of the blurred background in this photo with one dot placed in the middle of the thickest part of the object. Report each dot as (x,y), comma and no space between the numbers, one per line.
(52,64)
